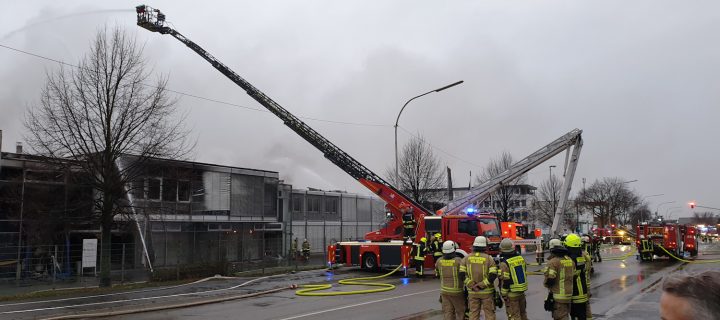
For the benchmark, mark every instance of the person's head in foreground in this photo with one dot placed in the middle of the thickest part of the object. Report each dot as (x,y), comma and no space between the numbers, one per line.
(691,296)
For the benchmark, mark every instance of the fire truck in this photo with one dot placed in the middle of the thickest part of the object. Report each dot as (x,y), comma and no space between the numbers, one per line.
(675,238)
(386,246)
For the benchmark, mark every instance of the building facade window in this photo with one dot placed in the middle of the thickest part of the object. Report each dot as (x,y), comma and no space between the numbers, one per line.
(153,192)
(184,190)
(169,190)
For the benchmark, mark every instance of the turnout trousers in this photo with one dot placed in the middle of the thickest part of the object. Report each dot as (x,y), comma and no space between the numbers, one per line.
(482,304)
(453,306)
(561,310)
(516,308)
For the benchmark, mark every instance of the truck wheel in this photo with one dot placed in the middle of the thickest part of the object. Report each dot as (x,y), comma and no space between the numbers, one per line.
(369,262)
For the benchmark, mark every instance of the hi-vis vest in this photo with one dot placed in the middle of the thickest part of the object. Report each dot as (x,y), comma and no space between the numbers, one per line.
(562,269)
(449,273)
(647,246)
(419,252)
(436,248)
(478,267)
(582,279)
(514,271)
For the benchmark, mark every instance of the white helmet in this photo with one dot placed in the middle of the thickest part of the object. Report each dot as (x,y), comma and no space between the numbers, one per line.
(448,247)
(480,241)
(586,239)
(642,236)
(554,243)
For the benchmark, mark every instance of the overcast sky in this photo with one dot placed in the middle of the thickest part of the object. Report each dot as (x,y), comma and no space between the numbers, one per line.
(640,78)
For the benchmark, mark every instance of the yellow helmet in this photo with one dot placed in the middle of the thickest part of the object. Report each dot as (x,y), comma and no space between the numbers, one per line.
(573,241)
(423,239)
(438,235)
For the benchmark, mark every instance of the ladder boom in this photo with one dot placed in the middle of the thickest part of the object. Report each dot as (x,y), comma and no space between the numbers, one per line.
(484,190)
(154,20)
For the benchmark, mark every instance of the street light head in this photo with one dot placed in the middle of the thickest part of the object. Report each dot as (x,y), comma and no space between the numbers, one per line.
(449,86)
(553,166)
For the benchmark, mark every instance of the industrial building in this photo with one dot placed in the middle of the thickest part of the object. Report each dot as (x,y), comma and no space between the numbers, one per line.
(187,212)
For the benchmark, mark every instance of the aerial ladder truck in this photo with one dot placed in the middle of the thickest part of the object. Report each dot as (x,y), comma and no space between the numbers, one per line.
(384,246)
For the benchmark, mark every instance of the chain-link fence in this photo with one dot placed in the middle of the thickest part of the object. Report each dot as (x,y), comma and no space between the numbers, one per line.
(173,256)
(46,264)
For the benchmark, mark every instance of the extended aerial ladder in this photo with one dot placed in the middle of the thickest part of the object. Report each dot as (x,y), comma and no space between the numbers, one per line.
(569,141)
(397,202)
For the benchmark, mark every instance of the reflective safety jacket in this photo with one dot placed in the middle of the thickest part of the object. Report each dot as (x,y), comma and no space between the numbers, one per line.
(408,221)
(582,278)
(419,251)
(436,248)
(451,281)
(306,246)
(646,245)
(513,276)
(561,271)
(480,272)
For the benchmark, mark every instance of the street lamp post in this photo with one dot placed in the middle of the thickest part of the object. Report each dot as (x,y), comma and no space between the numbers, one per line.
(397,174)
(659,205)
(642,218)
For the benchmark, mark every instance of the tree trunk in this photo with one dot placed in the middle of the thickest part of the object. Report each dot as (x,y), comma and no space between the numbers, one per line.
(106,219)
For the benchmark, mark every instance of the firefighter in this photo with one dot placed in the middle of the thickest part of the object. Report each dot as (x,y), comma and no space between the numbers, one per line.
(436,246)
(580,307)
(595,248)
(554,242)
(293,248)
(559,275)
(513,281)
(306,250)
(419,251)
(646,249)
(585,243)
(480,271)
(586,247)
(451,283)
(408,222)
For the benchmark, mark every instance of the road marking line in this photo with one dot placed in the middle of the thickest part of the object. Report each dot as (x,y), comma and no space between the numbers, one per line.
(358,304)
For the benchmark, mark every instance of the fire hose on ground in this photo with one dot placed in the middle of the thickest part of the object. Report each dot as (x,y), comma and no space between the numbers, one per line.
(688,261)
(311,289)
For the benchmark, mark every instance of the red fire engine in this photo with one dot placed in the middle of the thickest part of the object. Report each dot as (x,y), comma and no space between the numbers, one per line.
(676,239)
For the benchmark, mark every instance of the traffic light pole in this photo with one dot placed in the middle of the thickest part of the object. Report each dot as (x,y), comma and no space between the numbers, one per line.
(707,207)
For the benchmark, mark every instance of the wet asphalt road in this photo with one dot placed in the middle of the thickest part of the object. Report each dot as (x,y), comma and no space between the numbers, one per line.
(621,289)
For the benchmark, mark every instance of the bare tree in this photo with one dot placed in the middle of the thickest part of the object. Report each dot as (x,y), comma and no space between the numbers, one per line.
(421,174)
(609,200)
(639,214)
(503,199)
(546,201)
(101,111)
(707,218)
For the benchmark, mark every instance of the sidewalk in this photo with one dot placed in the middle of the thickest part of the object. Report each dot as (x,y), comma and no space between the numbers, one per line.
(11,287)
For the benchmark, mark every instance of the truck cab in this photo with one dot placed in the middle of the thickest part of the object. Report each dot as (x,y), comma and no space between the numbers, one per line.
(462,229)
